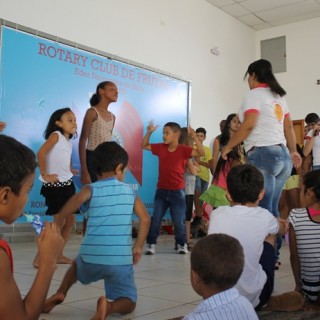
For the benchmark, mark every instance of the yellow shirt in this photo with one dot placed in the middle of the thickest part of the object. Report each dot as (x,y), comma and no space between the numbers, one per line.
(204,172)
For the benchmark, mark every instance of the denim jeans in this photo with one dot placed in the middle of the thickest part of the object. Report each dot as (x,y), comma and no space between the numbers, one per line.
(275,164)
(175,201)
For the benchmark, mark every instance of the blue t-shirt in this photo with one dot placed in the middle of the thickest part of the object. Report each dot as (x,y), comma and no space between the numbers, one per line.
(108,238)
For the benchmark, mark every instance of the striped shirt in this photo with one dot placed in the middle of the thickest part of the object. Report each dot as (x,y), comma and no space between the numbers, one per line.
(225,305)
(108,239)
(307,234)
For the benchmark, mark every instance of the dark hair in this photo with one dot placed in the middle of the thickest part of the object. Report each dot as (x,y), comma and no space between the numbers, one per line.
(52,126)
(16,163)
(185,138)
(311,118)
(263,71)
(174,126)
(107,156)
(225,134)
(218,259)
(312,181)
(95,98)
(245,182)
(232,155)
(201,130)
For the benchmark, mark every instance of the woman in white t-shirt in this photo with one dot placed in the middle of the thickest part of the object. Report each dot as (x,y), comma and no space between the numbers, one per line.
(267,132)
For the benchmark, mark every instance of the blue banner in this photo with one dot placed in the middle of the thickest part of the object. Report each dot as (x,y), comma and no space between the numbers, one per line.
(39,76)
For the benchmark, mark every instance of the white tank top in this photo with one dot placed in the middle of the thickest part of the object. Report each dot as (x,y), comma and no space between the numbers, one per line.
(100,131)
(59,159)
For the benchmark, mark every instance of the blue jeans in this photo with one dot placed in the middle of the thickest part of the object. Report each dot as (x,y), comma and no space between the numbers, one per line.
(174,200)
(275,164)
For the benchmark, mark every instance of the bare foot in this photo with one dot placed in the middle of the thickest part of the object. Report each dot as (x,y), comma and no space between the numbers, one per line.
(103,309)
(64,260)
(53,301)
(309,306)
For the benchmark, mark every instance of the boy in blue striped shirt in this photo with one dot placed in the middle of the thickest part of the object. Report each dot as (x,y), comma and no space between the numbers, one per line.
(106,251)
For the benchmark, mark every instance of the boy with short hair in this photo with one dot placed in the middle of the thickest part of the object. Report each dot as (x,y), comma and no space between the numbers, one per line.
(106,250)
(216,265)
(203,176)
(256,229)
(170,188)
(17,171)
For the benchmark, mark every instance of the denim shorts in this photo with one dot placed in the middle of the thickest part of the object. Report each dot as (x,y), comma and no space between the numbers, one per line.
(118,280)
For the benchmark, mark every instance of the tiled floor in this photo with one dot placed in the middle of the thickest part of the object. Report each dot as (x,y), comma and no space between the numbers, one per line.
(164,289)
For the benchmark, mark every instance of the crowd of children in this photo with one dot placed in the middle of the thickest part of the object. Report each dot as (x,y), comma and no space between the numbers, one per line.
(234,283)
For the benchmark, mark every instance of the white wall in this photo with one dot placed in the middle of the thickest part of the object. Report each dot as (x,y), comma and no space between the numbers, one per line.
(171,35)
(303,64)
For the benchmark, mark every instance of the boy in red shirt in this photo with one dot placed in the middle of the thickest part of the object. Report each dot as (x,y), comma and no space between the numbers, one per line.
(170,188)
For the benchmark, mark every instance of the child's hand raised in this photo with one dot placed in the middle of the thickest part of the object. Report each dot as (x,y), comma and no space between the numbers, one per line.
(192,133)
(151,127)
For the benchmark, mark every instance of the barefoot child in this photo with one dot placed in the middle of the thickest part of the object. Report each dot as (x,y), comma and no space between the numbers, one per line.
(17,165)
(56,174)
(106,250)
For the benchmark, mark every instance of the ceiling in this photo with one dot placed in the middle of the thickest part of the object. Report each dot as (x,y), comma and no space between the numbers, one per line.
(263,14)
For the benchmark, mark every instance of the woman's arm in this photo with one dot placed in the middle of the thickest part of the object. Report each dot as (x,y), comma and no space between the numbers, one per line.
(291,142)
(90,116)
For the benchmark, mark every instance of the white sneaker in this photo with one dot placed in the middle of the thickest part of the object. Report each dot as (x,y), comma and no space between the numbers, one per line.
(182,249)
(151,249)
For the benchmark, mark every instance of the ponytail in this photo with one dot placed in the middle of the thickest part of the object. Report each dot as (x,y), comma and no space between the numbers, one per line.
(95,99)
(263,72)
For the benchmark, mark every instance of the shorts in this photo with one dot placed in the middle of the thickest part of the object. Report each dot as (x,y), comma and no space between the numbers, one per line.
(118,280)
(292,182)
(267,261)
(56,195)
(201,185)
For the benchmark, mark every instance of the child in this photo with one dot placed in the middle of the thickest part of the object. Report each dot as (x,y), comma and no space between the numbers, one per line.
(170,189)
(106,250)
(203,176)
(17,166)
(97,127)
(190,182)
(55,171)
(304,230)
(313,144)
(216,194)
(216,265)
(256,229)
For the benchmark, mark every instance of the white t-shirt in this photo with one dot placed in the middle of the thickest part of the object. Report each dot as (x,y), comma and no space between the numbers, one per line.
(250,225)
(59,159)
(272,110)
(315,148)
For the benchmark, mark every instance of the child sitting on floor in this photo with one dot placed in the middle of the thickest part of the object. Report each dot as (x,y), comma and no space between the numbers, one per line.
(304,240)
(256,229)
(216,265)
